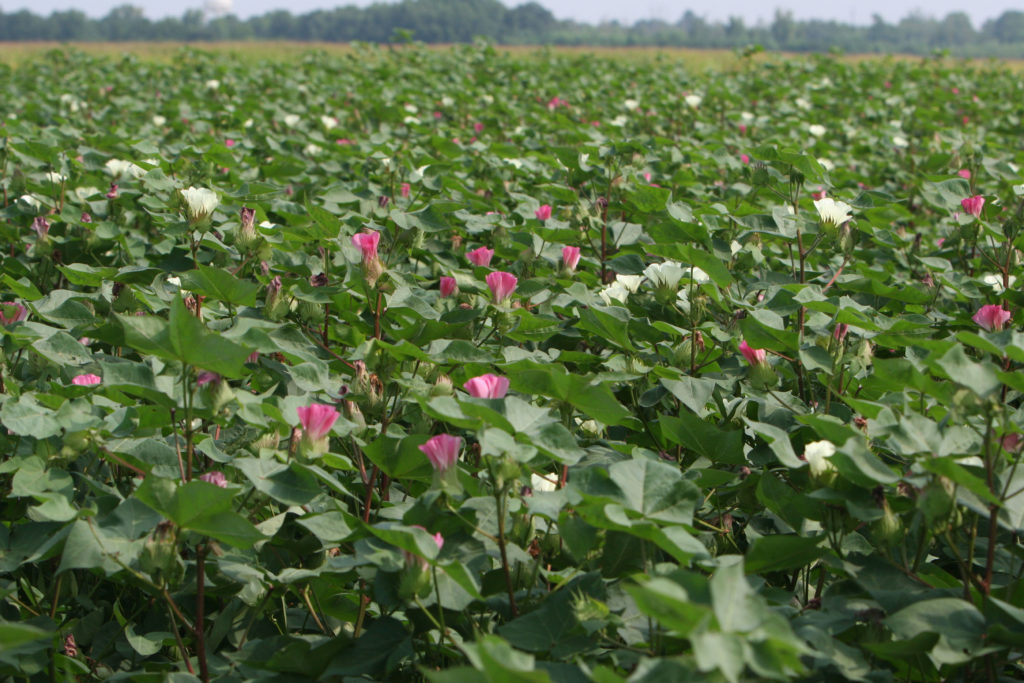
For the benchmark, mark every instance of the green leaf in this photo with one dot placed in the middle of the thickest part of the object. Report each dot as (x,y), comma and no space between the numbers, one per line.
(219,284)
(706,438)
(782,552)
(287,484)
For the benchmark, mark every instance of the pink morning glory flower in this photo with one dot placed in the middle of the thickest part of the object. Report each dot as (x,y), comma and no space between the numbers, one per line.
(544,212)
(317,420)
(991,318)
(973,205)
(442,450)
(86,380)
(481,256)
(367,243)
(570,257)
(447,286)
(487,386)
(216,478)
(754,356)
(502,285)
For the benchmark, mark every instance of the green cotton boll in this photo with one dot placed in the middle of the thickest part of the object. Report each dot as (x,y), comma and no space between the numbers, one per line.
(889,529)
(160,558)
(936,502)
(762,376)
(311,312)
(415,581)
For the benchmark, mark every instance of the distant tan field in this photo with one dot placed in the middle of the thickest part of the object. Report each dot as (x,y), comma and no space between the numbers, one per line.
(15,53)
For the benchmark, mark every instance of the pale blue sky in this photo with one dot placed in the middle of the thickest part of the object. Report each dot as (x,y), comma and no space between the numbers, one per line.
(593,11)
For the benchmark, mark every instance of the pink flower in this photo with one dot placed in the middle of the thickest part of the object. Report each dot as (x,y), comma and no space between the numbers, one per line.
(206,377)
(972,205)
(820,194)
(570,257)
(253,357)
(991,317)
(544,212)
(11,312)
(412,559)
(86,380)
(481,256)
(317,420)
(647,176)
(478,127)
(447,286)
(41,227)
(754,356)
(229,143)
(442,450)
(439,540)
(367,242)
(502,285)
(1012,442)
(343,141)
(743,129)
(406,188)
(112,193)
(964,173)
(939,242)
(86,218)
(955,90)
(437,114)
(216,478)
(487,386)
(839,334)
(745,158)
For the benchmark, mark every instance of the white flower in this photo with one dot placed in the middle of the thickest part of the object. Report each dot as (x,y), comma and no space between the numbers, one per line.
(174,281)
(247,124)
(900,141)
(698,275)
(614,291)
(816,129)
(540,484)
(488,99)
(30,200)
(118,168)
(693,100)
(159,121)
(631,104)
(630,282)
(826,164)
(832,212)
(410,121)
(665,275)
(619,121)
(802,103)
(83,192)
(817,454)
(329,122)
(312,149)
(1018,190)
(199,203)
(411,108)
(292,120)
(447,101)
(56,178)
(995,281)
(746,116)
(212,84)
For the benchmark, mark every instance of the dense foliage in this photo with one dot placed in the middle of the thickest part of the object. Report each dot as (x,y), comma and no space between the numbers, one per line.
(449,21)
(456,366)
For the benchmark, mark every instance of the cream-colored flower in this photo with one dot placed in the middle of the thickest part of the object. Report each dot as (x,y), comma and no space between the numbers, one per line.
(630,282)
(118,168)
(693,100)
(199,203)
(816,129)
(541,484)
(212,84)
(832,212)
(614,292)
(56,178)
(817,454)
(292,120)
(666,275)
(631,104)
(312,149)
(159,121)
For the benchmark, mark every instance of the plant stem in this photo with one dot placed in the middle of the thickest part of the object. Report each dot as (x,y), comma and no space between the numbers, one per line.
(200,628)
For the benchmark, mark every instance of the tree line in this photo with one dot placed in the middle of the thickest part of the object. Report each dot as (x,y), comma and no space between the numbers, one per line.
(452,21)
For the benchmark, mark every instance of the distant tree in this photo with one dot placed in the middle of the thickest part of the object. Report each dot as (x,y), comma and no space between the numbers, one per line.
(1009,27)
